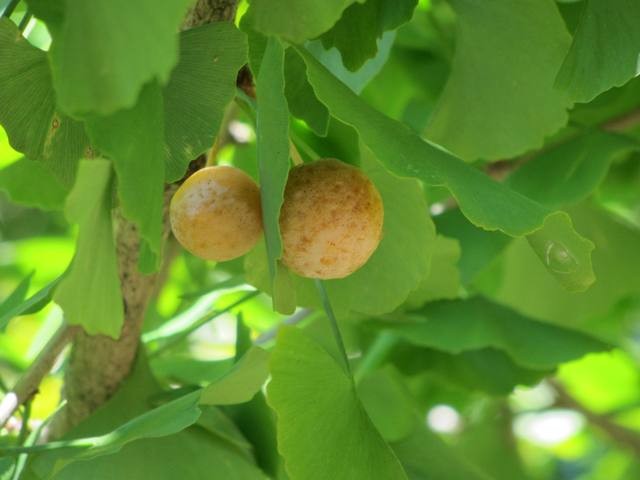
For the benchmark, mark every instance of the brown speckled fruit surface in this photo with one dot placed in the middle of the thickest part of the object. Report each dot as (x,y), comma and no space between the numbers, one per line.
(331,219)
(216,213)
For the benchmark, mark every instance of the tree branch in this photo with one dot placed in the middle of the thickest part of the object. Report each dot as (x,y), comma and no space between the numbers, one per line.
(28,384)
(503,168)
(622,436)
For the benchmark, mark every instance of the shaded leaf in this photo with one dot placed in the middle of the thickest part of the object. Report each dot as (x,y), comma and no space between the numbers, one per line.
(605,49)
(568,173)
(295,20)
(478,247)
(486,370)
(133,139)
(28,107)
(89,294)
(355,35)
(500,98)
(359,79)
(301,99)
(425,456)
(443,280)
(388,404)
(100,56)
(308,384)
(486,203)
(201,85)
(461,325)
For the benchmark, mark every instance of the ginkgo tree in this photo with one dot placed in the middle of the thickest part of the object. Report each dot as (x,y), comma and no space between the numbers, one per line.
(291,239)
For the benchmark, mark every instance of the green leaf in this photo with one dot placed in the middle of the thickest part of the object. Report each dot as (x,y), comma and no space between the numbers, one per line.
(133,139)
(486,370)
(566,255)
(307,385)
(443,280)
(14,300)
(301,99)
(295,20)
(478,247)
(28,107)
(605,49)
(272,138)
(355,35)
(461,325)
(186,369)
(90,292)
(241,383)
(200,88)
(165,420)
(359,79)
(388,403)
(101,57)
(29,183)
(131,446)
(425,456)
(524,281)
(500,98)
(192,454)
(486,203)
(33,304)
(568,173)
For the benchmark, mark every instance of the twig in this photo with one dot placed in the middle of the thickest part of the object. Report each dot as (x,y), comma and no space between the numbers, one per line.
(503,168)
(28,384)
(622,436)
(295,155)
(294,319)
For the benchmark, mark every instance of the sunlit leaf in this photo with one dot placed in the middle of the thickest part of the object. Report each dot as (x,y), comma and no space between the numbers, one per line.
(241,382)
(307,385)
(101,57)
(90,293)
(28,107)
(29,183)
(500,98)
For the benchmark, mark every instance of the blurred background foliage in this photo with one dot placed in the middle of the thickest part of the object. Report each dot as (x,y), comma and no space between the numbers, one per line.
(580,421)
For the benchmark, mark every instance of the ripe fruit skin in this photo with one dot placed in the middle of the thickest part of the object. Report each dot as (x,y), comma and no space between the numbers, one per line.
(331,219)
(216,213)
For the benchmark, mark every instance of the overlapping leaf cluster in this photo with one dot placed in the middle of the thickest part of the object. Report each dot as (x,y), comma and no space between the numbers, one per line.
(497,291)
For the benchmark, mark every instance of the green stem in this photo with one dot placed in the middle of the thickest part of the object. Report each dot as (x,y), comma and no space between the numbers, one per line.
(376,354)
(326,304)
(197,324)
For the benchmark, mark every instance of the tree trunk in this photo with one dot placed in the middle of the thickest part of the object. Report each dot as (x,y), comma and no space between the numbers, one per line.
(98,364)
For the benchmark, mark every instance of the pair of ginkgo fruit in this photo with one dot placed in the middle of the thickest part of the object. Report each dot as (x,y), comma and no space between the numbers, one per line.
(330,220)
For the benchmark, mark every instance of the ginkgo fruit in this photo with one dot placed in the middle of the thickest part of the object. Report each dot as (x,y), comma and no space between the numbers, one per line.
(331,219)
(216,213)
